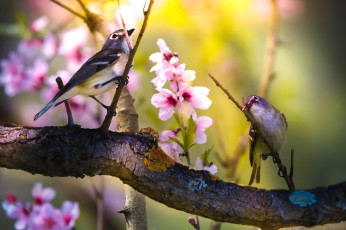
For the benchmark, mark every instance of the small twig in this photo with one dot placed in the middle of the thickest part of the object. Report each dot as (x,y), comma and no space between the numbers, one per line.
(99,202)
(68,9)
(108,119)
(85,9)
(266,140)
(125,30)
(197,223)
(67,104)
(291,168)
(271,44)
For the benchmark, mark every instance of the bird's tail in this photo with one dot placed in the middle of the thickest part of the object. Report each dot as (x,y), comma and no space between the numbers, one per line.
(256,173)
(45,109)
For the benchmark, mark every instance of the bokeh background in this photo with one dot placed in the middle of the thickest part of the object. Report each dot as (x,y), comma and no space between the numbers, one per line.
(226,38)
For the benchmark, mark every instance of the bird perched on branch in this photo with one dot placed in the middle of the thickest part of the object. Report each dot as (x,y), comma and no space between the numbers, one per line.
(274,125)
(99,74)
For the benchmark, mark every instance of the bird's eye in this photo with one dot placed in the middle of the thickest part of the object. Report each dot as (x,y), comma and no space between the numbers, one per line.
(255,97)
(114,36)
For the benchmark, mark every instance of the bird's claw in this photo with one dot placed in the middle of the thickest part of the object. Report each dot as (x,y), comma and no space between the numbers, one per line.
(110,113)
(121,81)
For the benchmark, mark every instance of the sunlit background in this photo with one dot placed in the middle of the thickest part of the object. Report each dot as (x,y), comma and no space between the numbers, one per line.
(226,38)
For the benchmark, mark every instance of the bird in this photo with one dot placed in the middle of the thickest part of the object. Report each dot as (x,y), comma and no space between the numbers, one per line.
(99,74)
(274,125)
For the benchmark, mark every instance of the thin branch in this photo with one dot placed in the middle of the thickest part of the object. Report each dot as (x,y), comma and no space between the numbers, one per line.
(272,41)
(67,104)
(69,9)
(99,194)
(266,140)
(135,159)
(82,5)
(292,162)
(108,119)
(125,29)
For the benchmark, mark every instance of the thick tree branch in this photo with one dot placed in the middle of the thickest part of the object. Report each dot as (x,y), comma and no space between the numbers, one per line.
(134,158)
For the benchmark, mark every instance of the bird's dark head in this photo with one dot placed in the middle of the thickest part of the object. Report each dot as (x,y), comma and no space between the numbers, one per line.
(254,100)
(117,40)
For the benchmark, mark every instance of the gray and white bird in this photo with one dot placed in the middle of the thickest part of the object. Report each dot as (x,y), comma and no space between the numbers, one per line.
(99,74)
(274,125)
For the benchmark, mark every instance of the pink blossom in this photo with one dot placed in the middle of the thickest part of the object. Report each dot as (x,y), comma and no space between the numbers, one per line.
(73,47)
(173,149)
(70,213)
(165,59)
(18,77)
(199,166)
(178,77)
(166,100)
(42,195)
(38,24)
(38,47)
(202,123)
(46,217)
(16,210)
(193,97)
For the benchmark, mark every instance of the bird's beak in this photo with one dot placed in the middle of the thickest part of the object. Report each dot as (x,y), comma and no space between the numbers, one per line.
(245,107)
(129,32)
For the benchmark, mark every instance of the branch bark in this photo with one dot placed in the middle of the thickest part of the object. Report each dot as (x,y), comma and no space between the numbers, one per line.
(135,159)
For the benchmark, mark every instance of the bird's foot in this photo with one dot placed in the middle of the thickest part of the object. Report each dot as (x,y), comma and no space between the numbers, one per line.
(122,81)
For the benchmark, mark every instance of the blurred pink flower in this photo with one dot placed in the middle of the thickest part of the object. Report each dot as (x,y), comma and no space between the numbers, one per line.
(73,47)
(288,9)
(38,24)
(202,123)
(134,81)
(16,77)
(16,210)
(166,100)
(42,195)
(70,213)
(46,217)
(199,166)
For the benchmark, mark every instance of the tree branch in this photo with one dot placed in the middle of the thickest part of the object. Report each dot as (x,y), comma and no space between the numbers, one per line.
(68,9)
(135,159)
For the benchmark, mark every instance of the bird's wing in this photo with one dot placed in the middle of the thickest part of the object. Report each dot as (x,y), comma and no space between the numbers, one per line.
(253,140)
(284,117)
(96,63)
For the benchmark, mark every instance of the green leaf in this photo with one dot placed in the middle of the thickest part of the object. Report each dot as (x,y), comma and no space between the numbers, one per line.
(190,133)
(176,140)
(205,156)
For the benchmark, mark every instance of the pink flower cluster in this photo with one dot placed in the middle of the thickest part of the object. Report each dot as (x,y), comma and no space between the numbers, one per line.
(41,215)
(25,68)
(182,97)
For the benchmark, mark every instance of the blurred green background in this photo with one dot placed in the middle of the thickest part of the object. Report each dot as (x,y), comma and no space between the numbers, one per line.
(227,39)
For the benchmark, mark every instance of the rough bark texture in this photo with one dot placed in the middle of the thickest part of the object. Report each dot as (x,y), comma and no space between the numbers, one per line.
(134,158)
(135,206)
